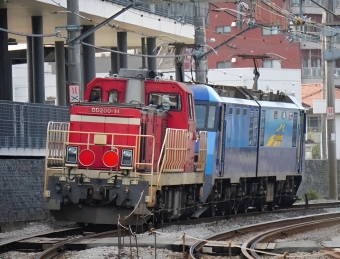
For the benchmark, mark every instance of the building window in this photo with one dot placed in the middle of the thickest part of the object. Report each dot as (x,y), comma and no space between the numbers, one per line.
(314,123)
(271,63)
(270,31)
(223,29)
(223,64)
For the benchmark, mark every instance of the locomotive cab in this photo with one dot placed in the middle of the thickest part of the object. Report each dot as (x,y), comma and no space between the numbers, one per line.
(129,145)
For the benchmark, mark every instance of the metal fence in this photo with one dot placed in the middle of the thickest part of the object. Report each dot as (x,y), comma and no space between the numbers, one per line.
(24,125)
(181,12)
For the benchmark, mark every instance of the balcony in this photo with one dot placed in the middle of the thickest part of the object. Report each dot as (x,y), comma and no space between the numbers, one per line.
(311,8)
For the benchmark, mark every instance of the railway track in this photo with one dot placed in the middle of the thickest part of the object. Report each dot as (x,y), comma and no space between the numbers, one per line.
(288,226)
(248,247)
(61,237)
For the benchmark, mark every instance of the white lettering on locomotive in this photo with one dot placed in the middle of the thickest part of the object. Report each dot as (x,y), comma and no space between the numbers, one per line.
(105,110)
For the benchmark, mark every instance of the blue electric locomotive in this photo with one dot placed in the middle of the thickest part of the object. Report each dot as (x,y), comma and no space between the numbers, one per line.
(255,148)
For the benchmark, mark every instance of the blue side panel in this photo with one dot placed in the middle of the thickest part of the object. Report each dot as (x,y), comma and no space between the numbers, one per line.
(238,126)
(211,153)
(205,93)
(240,161)
(210,165)
(240,154)
(278,155)
(277,162)
(275,128)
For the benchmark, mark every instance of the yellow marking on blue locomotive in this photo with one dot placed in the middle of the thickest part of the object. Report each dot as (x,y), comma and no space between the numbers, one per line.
(271,140)
(276,139)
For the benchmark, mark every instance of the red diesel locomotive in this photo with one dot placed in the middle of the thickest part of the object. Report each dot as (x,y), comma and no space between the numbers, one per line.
(127,153)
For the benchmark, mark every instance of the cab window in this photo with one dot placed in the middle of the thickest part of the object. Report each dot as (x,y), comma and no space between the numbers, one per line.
(201,111)
(211,117)
(96,95)
(166,101)
(190,108)
(113,96)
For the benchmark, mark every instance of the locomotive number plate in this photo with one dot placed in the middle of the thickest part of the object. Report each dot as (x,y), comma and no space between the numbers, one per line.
(105,110)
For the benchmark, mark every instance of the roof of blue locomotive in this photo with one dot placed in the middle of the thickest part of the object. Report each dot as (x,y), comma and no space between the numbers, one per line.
(205,93)
(239,101)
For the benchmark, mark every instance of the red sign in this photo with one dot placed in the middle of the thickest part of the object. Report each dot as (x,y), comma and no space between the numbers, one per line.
(74,93)
(330,113)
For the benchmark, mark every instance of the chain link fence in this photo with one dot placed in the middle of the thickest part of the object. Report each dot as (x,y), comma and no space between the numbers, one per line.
(24,125)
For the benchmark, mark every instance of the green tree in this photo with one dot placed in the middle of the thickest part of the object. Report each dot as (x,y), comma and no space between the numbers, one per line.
(316,152)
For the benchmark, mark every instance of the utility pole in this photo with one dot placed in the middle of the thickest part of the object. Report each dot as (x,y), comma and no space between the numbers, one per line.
(323,115)
(73,28)
(199,24)
(330,57)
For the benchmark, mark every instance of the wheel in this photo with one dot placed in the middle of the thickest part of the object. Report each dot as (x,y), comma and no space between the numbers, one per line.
(260,204)
(272,206)
(222,209)
(235,206)
(213,209)
(223,212)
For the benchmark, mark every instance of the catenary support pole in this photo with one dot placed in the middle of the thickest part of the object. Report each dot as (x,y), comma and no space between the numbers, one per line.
(144,53)
(114,62)
(38,61)
(151,45)
(122,46)
(179,65)
(5,73)
(331,128)
(323,154)
(29,55)
(201,68)
(89,57)
(74,65)
(60,73)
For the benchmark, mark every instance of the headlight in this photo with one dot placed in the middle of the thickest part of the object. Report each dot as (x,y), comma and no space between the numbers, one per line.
(127,158)
(127,153)
(72,150)
(71,155)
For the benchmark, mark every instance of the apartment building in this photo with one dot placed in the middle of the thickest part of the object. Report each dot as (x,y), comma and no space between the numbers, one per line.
(289,46)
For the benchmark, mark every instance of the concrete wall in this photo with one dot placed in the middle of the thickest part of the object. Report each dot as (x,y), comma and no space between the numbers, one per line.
(21,189)
(316,177)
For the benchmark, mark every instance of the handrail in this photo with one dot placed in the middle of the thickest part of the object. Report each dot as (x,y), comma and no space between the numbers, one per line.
(58,154)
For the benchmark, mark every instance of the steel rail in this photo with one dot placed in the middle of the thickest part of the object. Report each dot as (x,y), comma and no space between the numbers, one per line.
(258,227)
(248,247)
(8,242)
(54,250)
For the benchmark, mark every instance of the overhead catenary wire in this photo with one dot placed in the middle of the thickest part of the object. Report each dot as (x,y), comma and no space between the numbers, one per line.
(136,55)
(56,34)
